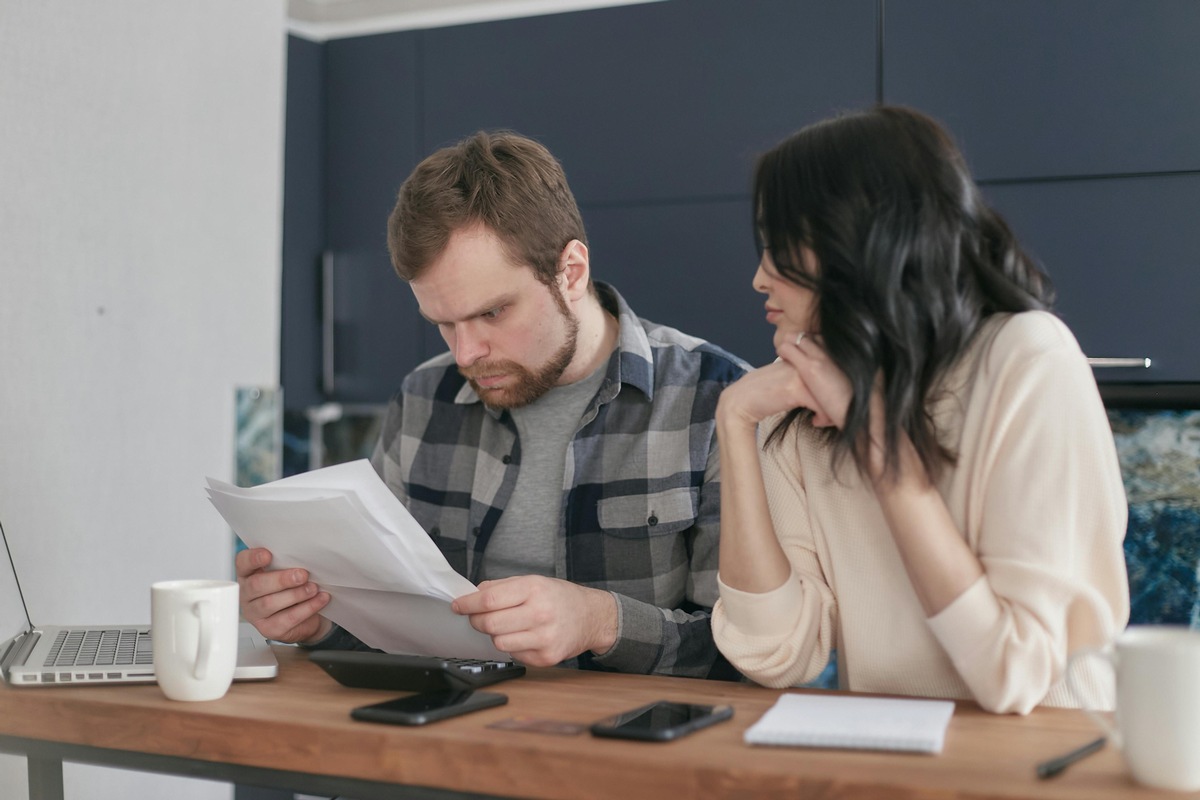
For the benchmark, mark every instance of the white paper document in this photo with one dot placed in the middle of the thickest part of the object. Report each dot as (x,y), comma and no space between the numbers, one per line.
(390,585)
(870,723)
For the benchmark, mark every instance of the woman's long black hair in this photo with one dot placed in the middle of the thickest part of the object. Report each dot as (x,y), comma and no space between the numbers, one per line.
(911,262)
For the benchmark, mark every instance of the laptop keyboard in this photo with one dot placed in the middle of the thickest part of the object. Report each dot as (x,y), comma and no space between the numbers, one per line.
(101,648)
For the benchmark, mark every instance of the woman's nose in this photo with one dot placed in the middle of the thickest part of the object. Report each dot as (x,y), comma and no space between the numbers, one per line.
(760,282)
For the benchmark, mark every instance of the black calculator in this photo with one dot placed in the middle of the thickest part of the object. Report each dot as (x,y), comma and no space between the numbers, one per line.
(367,670)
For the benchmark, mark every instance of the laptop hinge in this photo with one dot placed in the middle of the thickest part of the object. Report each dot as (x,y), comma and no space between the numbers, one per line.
(19,649)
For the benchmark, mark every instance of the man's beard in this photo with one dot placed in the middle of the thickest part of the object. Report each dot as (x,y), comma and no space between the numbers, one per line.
(528,385)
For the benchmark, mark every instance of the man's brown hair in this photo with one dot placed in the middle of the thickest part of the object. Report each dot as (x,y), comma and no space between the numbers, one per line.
(506,181)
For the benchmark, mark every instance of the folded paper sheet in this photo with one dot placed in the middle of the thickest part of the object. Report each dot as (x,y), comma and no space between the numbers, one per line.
(390,585)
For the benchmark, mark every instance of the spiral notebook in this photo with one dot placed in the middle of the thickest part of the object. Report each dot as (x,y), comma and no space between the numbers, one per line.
(866,723)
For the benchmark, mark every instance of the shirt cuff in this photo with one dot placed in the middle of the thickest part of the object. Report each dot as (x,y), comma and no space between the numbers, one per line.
(638,647)
(967,624)
(762,613)
(337,639)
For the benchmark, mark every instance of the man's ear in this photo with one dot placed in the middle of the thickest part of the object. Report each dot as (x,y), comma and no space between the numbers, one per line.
(574,270)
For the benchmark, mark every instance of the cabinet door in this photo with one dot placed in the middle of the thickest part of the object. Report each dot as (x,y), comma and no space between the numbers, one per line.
(662,101)
(303,225)
(372,113)
(664,105)
(1124,255)
(378,334)
(1036,89)
(687,265)
(372,146)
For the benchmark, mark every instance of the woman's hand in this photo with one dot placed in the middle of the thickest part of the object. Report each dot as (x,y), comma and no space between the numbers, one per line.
(768,390)
(831,392)
(827,388)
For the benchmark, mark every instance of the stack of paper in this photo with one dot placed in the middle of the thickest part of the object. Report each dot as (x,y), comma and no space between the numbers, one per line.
(390,585)
(871,723)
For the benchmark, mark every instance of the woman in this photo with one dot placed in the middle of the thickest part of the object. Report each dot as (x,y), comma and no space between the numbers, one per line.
(924,480)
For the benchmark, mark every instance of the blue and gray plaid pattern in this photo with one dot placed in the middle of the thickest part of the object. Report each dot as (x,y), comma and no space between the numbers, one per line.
(641,507)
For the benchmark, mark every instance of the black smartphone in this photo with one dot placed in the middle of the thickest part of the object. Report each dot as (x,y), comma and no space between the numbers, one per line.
(419,709)
(661,721)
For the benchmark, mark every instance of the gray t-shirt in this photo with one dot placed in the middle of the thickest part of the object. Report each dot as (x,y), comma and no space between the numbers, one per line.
(523,541)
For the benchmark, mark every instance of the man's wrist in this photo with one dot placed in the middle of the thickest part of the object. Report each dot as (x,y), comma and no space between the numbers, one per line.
(323,631)
(604,626)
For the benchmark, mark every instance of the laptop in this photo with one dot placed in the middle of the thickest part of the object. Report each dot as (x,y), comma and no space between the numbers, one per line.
(58,655)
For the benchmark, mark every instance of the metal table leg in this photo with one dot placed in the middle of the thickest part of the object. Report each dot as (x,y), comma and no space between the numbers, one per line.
(45,778)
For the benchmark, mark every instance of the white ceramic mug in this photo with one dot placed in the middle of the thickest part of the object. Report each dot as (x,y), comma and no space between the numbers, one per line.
(1158,703)
(195,630)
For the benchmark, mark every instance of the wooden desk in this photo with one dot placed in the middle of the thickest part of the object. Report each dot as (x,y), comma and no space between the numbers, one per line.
(295,732)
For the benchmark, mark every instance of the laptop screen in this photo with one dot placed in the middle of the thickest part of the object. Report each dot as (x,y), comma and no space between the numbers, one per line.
(13,617)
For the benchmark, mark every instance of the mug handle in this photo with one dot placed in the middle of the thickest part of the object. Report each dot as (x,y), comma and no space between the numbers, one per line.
(1112,733)
(203,610)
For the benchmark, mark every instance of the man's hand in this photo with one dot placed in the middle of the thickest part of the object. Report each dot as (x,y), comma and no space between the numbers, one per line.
(281,604)
(541,621)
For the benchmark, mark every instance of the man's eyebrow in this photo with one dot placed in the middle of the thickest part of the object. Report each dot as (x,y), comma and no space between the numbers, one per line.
(499,302)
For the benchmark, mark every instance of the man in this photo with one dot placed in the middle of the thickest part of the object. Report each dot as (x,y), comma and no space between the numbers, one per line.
(562,454)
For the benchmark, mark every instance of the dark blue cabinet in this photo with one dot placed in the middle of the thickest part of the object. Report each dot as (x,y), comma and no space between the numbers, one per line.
(657,112)
(377,334)
(1081,119)
(687,265)
(303,225)
(662,101)
(1124,255)
(373,109)
(351,334)
(373,91)
(1063,88)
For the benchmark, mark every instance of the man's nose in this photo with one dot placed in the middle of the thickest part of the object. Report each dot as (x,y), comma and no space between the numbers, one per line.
(469,345)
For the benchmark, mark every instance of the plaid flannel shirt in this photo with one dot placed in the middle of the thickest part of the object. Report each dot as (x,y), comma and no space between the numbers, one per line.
(641,494)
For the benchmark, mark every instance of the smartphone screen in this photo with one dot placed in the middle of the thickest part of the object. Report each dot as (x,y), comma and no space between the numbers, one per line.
(418,709)
(661,721)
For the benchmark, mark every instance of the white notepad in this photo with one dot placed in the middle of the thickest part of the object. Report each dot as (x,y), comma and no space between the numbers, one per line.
(868,723)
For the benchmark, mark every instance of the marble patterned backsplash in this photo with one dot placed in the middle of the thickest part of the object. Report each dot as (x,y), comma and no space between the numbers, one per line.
(258,448)
(1160,464)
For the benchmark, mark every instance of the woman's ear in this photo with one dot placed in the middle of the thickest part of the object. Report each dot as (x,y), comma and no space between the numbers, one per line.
(574,270)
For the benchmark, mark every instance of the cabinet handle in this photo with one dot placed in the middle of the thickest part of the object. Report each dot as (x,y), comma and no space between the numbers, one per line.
(1101,363)
(327,324)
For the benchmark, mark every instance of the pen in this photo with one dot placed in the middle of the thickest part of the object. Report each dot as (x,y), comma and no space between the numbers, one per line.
(1048,769)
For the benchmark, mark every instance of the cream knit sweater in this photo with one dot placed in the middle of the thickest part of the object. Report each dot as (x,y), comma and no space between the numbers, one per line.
(1037,494)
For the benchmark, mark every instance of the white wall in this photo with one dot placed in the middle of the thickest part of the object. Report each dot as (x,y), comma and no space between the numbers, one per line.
(140,207)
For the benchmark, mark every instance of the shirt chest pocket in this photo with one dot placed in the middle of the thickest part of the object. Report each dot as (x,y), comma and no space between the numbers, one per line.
(641,515)
(448,527)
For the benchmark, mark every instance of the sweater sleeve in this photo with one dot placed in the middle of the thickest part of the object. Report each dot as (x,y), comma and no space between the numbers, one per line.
(782,637)
(1046,517)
